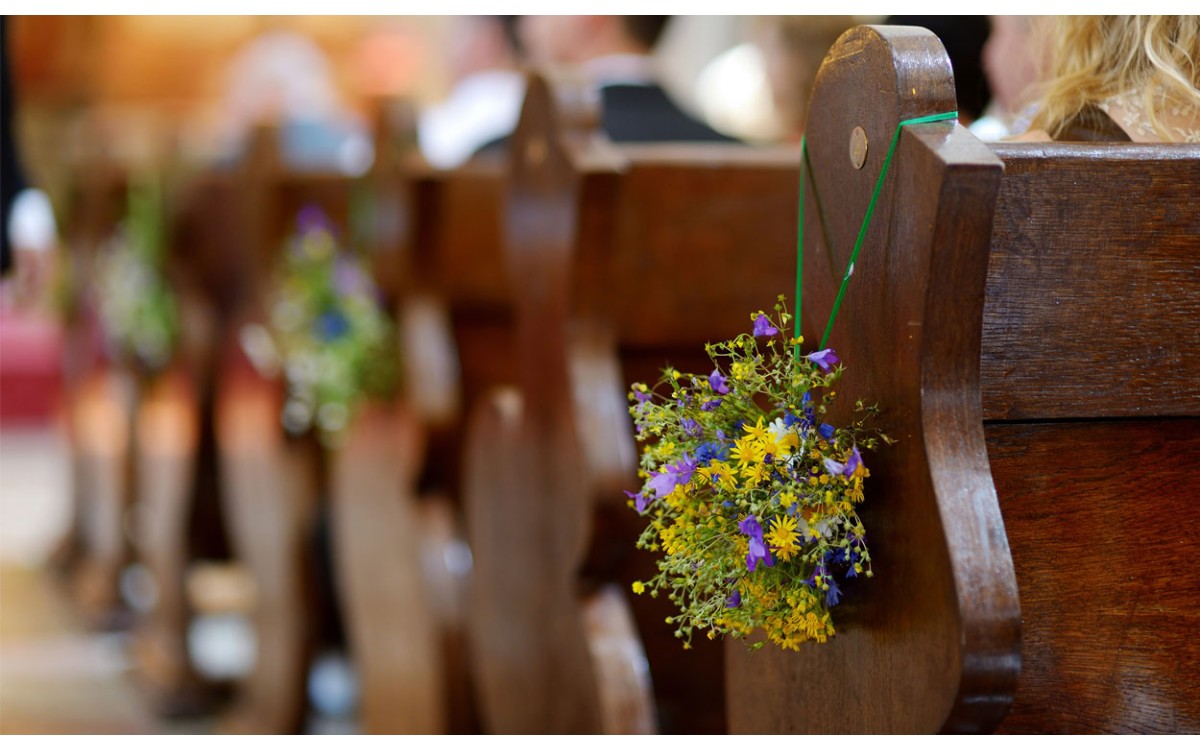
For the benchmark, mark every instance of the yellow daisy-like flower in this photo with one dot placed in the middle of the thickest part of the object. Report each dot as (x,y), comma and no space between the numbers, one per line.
(757,431)
(746,451)
(721,473)
(783,537)
(638,587)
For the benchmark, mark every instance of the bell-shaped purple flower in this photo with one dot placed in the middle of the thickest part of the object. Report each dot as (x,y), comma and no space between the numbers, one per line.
(676,474)
(763,327)
(312,219)
(825,359)
(717,382)
(758,551)
(734,601)
(640,501)
(853,462)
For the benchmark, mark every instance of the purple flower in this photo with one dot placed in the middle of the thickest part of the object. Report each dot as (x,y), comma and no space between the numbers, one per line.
(847,469)
(348,278)
(710,405)
(734,601)
(853,462)
(758,548)
(641,396)
(640,501)
(833,467)
(763,327)
(825,359)
(717,382)
(676,474)
(312,219)
(691,427)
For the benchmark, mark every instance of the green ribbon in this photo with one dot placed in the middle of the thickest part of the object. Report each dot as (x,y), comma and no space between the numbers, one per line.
(862,232)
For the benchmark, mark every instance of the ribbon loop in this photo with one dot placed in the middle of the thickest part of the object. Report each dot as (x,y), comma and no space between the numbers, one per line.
(862,231)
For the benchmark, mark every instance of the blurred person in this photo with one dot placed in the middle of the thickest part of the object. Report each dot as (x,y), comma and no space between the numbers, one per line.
(963,37)
(283,78)
(485,100)
(1121,78)
(1013,58)
(614,54)
(793,49)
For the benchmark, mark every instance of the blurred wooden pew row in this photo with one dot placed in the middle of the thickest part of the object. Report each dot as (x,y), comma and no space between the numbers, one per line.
(622,258)
(274,487)
(1025,315)
(98,402)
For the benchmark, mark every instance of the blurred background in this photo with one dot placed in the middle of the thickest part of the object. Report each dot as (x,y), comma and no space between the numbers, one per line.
(90,96)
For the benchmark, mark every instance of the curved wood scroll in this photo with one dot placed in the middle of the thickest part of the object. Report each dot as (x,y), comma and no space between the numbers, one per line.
(933,641)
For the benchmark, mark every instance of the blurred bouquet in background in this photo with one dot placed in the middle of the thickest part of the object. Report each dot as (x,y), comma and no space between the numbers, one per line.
(138,309)
(327,333)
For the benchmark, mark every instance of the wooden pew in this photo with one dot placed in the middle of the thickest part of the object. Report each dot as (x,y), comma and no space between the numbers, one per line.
(1031,339)
(98,399)
(383,542)
(624,258)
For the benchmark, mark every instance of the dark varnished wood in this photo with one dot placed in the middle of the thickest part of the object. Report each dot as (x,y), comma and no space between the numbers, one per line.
(1103,525)
(1092,245)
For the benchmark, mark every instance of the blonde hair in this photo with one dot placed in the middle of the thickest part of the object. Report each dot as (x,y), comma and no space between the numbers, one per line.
(1094,58)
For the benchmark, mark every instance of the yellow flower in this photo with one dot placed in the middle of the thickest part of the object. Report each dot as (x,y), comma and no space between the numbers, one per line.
(721,473)
(754,474)
(638,587)
(746,451)
(787,498)
(783,537)
(757,431)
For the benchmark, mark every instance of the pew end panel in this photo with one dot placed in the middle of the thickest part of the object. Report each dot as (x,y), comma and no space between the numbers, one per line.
(932,641)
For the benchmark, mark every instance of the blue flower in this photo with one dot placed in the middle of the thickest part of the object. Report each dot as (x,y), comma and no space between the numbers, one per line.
(790,419)
(707,452)
(763,327)
(717,382)
(826,431)
(710,405)
(834,594)
(734,601)
(331,325)
(691,427)
(825,359)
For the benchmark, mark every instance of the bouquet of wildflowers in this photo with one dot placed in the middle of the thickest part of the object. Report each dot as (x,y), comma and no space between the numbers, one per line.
(751,496)
(137,306)
(328,333)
